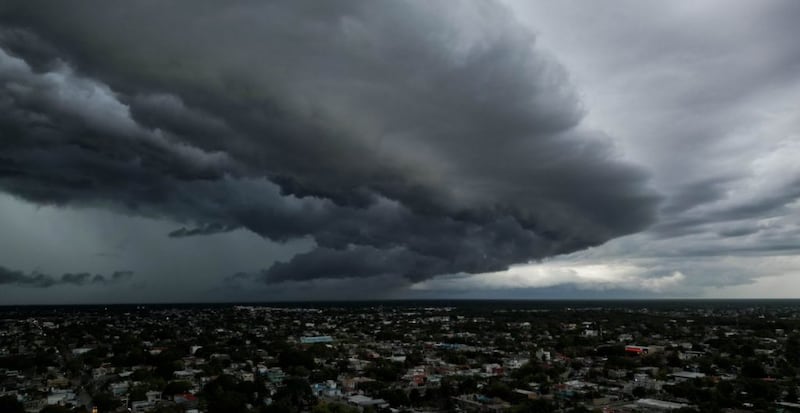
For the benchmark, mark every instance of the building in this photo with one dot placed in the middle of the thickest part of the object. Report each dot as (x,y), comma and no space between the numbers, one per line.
(686,375)
(316,339)
(364,401)
(642,350)
(653,405)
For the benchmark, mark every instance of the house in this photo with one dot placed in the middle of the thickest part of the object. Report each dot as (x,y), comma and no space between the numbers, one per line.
(60,397)
(142,406)
(493,369)
(326,389)
(365,401)
(480,403)
(642,350)
(316,339)
(653,405)
(275,375)
(686,375)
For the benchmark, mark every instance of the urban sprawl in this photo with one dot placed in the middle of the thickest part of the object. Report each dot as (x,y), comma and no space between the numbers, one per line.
(702,356)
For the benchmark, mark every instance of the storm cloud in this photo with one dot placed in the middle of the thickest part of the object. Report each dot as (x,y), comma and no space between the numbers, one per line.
(404,138)
(39,280)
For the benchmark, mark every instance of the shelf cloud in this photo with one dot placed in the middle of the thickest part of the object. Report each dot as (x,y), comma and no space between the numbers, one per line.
(403,138)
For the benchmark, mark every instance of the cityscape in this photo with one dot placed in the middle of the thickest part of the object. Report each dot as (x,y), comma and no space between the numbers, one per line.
(399,206)
(460,356)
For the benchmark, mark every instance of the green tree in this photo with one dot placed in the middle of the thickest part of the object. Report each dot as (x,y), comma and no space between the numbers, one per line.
(10,404)
(753,369)
(105,402)
(177,387)
(292,357)
(169,409)
(333,408)
(395,397)
(55,409)
(534,406)
(639,392)
(138,392)
(295,392)
(224,396)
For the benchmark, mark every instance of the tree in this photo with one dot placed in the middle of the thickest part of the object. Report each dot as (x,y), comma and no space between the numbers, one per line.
(105,402)
(753,369)
(500,390)
(791,392)
(10,404)
(138,392)
(395,397)
(639,392)
(291,357)
(223,396)
(468,385)
(169,409)
(55,409)
(534,406)
(177,387)
(165,368)
(414,397)
(793,351)
(385,371)
(296,392)
(333,408)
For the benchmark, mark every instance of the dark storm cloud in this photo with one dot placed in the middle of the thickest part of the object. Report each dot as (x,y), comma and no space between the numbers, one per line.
(356,262)
(206,229)
(39,280)
(405,138)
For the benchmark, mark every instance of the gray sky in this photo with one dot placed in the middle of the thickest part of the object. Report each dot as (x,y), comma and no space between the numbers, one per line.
(200,151)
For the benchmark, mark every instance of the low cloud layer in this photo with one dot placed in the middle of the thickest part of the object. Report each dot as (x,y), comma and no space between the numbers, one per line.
(39,280)
(406,139)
